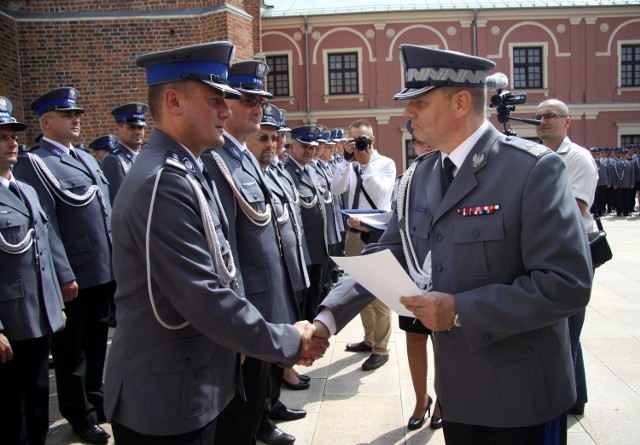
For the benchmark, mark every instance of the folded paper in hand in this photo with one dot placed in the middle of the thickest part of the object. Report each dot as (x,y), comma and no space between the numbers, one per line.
(381,274)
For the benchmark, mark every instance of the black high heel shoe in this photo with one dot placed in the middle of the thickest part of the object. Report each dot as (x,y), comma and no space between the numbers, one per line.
(415,422)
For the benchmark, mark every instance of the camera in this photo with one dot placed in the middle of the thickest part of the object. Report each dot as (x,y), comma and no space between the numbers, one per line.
(362,142)
(506,98)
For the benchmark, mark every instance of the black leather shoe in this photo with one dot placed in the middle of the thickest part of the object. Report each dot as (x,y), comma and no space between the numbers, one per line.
(358,347)
(93,434)
(417,422)
(297,386)
(375,361)
(277,436)
(287,414)
(304,378)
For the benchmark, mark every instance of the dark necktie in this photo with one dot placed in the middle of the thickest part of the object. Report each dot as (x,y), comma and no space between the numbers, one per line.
(73,154)
(447,174)
(16,191)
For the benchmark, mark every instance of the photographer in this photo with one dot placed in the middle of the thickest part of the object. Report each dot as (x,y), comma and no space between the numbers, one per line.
(369,182)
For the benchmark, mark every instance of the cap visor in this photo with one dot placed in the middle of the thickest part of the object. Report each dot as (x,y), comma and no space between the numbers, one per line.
(16,126)
(228,92)
(313,144)
(284,129)
(256,92)
(412,93)
(271,124)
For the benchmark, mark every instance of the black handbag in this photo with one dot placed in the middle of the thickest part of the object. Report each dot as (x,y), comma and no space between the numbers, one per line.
(600,249)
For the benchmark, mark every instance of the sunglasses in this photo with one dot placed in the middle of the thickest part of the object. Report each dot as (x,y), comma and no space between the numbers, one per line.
(266,138)
(548,116)
(252,101)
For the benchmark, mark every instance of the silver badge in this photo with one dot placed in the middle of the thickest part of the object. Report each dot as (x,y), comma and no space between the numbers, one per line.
(187,163)
(477,159)
(139,109)
(260,69)
(3,104)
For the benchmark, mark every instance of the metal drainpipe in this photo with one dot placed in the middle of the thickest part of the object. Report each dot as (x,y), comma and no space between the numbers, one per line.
(474,33)
(306,67)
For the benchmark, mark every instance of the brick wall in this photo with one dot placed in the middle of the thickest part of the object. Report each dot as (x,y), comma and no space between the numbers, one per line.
(96,55)
(10,85)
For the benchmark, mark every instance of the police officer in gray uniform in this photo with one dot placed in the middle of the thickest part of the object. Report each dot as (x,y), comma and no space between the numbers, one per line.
(101,146)
(130,126)
(74,193)
(182,320)
(31,307)
(503,262)
(303,144)
(252,212)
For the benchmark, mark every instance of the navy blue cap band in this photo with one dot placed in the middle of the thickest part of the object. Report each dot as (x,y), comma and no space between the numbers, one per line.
(167,72)
(60,103)
(246,81)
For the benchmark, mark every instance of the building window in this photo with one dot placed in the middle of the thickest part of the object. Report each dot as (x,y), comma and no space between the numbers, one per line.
(343,73)
(630,66)
(410,154)
(278,77)
(527,67)
(629,139)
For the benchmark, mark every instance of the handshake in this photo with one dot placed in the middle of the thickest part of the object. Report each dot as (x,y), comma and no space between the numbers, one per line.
(314,341)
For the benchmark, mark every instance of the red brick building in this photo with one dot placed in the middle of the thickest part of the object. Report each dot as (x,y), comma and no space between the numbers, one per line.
(92,45)
(335,61)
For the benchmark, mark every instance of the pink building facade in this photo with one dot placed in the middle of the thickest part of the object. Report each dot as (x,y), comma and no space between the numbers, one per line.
(332,69)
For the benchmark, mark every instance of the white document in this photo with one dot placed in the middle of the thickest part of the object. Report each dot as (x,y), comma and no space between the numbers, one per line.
(382,275)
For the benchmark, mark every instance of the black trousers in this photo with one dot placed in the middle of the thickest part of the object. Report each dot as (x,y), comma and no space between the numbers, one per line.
(203,436)
(623,201)
(24,391)
(600,201)
(238,423)
(550,433)
(313,294)
(274,404)
(79,351)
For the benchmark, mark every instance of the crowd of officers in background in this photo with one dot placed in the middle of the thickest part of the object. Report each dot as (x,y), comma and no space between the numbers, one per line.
(618,180)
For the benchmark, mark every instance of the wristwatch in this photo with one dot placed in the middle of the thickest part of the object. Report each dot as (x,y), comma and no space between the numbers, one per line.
(456,321)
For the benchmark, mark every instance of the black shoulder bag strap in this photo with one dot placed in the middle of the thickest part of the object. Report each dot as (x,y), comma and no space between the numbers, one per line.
(360,188)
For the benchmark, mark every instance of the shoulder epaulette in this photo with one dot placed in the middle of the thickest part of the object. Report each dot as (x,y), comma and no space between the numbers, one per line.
(173,160)
(534,149)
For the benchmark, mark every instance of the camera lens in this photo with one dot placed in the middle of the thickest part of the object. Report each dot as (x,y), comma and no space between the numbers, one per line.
(362,142)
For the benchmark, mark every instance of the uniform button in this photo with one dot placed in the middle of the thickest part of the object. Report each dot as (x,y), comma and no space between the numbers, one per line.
(439,268)
(529,349)
(413,229)
(476,233)
(487,338)
(439,237)
(8,222)
(73,183)
(42,268)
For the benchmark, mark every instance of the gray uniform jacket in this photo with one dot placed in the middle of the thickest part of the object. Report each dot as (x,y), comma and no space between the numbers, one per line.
(84,231)
(115,166)
(258,251)
(313,219)
(286,181)
(291,230)
(30,298)
(335,225)
(161,381)
(516,275)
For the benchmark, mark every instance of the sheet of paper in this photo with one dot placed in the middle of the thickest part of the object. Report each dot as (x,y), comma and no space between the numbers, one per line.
(376,221)
(382,275)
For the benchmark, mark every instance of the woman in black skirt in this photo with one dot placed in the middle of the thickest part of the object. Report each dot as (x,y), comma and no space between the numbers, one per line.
(417,335)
